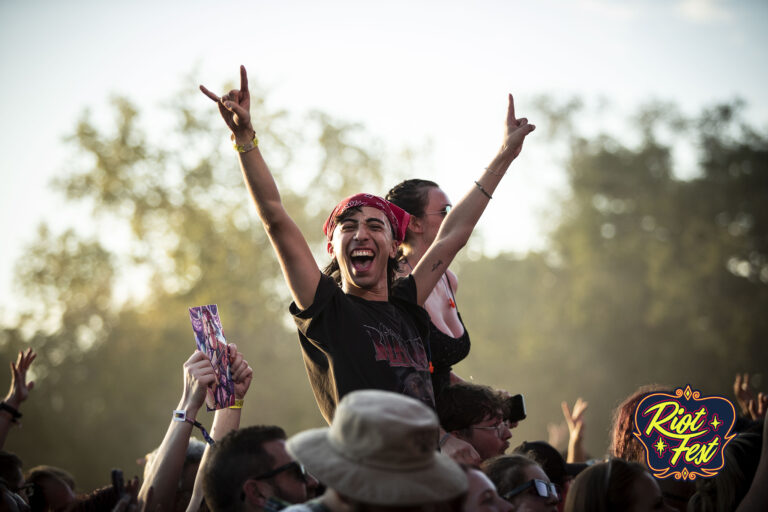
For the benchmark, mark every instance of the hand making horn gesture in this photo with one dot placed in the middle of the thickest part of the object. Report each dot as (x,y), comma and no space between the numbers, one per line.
(515,132)
(235,107)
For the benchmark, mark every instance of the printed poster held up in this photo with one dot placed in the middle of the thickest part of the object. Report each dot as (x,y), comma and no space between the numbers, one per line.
(210,340)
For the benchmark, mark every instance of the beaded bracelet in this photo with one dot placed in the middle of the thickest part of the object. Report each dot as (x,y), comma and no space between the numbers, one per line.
(485,192)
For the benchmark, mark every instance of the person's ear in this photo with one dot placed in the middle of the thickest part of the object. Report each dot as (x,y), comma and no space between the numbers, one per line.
(255,491)
(459,434)
(329,248)
(415,225)
(393,249)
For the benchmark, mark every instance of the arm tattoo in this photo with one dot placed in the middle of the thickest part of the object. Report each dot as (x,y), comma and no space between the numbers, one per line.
(437,265)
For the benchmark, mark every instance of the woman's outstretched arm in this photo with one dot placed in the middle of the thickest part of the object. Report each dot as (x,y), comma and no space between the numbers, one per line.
(459,223)
(299,267)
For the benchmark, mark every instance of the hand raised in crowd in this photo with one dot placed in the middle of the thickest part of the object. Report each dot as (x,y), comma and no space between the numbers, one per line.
(20,388)
(751,403)
(235,105)
(198,377)
(240,370)
(575,421)
(515,131)
(743,392)
(166,467)
(17,393)
(461,451)
(129,501)
(758,406)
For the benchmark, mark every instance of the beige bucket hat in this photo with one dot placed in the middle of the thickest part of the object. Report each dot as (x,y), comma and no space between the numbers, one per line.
(381,449)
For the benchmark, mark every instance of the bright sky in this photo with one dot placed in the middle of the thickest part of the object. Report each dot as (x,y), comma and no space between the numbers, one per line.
(411,71)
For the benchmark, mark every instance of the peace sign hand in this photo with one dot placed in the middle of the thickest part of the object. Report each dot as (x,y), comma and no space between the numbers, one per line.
(235,107)
(575,420)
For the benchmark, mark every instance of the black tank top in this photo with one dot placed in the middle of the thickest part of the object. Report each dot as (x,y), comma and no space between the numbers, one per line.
(446,351)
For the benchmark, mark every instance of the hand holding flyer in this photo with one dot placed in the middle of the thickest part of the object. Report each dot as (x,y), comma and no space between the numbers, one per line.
(210,340)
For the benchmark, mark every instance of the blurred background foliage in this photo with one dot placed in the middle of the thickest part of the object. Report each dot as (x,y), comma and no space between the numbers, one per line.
(646,277)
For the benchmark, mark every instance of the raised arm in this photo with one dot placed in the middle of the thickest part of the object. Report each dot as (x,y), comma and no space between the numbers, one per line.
(224,420)
(299,267)
(18,392)
(575,421)
(166,466)
(459,223)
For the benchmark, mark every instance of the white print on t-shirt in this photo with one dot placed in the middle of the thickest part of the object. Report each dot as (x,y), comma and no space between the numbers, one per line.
(389,346)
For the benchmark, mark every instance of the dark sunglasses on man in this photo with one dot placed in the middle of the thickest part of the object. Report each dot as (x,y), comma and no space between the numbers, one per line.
(540,487)
(297,469)
(275,504)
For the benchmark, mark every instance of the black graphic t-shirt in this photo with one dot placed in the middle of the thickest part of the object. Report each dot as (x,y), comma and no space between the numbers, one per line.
(351,343)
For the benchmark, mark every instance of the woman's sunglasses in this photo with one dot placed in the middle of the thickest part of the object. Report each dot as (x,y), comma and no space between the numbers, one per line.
(542,488)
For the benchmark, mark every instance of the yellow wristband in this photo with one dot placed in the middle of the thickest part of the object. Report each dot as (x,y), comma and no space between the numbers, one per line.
(244,148)
(238,403)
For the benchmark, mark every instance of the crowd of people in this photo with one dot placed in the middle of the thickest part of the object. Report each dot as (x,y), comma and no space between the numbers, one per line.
(380,332)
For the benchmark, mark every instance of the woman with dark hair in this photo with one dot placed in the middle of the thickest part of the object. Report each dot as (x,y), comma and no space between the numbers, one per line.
(615,485)
(367,333)
(448,338)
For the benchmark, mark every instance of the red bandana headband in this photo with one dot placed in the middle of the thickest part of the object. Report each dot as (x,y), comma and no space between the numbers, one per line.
(398,217)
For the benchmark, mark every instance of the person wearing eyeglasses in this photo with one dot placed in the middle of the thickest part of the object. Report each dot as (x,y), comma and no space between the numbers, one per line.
(523,483)
(474,414)
(448,338)
(250,470)
(449,341)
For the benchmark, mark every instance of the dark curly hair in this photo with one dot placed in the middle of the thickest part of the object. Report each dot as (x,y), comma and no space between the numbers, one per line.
(463,404)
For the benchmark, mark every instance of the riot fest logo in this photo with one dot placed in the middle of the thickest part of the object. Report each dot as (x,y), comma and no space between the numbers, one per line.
(684,434)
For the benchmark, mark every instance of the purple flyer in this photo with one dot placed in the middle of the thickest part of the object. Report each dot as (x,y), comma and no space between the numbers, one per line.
(210,341)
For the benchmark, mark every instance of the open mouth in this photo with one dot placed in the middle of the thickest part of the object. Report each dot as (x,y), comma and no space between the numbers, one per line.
(362,259)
